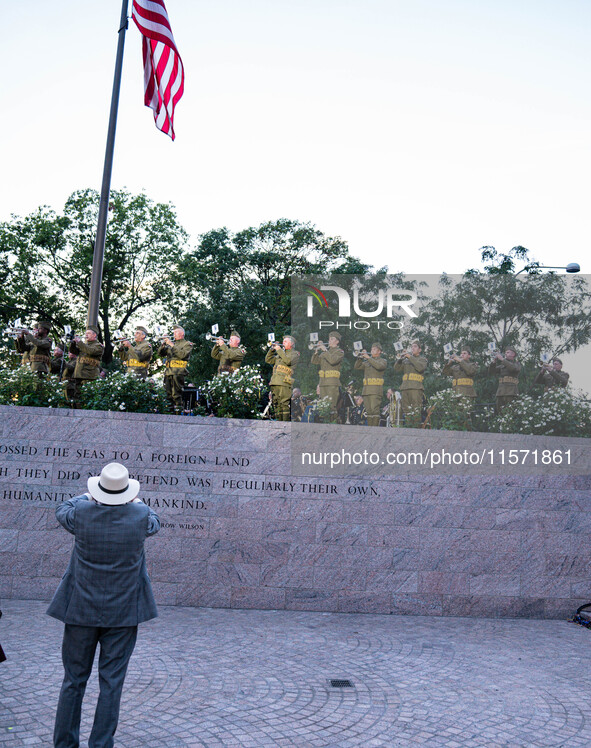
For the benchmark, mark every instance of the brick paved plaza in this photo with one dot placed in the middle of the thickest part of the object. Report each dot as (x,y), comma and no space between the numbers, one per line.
(216,677)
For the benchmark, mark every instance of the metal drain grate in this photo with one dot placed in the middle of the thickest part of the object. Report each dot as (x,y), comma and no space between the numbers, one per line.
(336,683)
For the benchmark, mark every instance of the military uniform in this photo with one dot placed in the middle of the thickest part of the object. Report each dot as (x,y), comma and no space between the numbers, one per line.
(57,365)
(551,378)
(136,359)
(462,373)
(68,381)
(176,359)
(508,373)
(373,386)
(358,416)
(281,383)
(37,352)
(412,388)
(230,358)
(19,345)
(329,385)
(87,364)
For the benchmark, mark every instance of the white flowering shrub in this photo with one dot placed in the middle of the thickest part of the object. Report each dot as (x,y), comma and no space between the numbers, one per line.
(23,387)
(9,356)
(122,391)
(451,411)
(235,395)
(558,412)
(323,408)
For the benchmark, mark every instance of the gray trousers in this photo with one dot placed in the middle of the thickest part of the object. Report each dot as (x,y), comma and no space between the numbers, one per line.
(78,648)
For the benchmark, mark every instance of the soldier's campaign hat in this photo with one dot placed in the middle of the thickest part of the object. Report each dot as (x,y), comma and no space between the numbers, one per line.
(290,337)
(466,348)
(93,328)
(377,345)
(139,328)
(416,342)
(335,334)
(558,361)
(113,486)
(510,348)
(44,325)
(234,334)
(178,327)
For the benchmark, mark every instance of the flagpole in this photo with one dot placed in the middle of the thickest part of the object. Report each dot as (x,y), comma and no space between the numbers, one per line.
(101,229)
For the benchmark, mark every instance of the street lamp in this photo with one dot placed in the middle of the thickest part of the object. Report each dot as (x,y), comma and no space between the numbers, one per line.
(572,267)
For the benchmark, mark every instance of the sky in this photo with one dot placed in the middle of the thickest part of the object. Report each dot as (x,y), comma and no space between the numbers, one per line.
(416,130)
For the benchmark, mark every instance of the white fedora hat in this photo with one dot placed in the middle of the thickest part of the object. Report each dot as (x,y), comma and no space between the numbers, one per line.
(113,486)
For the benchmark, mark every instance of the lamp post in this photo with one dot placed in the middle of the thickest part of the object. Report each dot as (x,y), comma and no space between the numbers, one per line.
(572,267)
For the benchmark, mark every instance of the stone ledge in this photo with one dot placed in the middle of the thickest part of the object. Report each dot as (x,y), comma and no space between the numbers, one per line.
(239,530)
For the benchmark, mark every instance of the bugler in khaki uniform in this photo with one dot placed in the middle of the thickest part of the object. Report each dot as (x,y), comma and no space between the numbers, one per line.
(36,348)
(329,360)
(87,366)
(57,362)
(19,344)
(136,356)
(373,381)
(462,371)
(412,365)
(507,368)
(552,376)
(176,355)
(229,356)
(284,361)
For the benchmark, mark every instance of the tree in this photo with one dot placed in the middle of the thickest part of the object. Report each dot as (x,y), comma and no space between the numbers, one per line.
(244,280)
(501,263)
(24,286)
(536,312)
(51,260)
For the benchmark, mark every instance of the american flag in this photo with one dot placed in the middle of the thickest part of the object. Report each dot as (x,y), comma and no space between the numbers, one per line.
(164,77)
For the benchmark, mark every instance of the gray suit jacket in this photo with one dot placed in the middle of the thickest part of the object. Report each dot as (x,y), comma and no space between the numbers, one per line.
(106,583)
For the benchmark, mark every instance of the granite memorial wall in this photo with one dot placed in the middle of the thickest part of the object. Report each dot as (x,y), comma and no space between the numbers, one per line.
(241,529)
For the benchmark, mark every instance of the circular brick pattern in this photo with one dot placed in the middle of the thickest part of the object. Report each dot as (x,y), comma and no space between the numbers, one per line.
(205,677)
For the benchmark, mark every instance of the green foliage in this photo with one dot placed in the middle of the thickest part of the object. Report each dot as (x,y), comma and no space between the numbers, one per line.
(236,394)
(558,412)
(245,281)
(505,263)
(123,392)
(23,387)
(535,312)
(50,258)
(530,313)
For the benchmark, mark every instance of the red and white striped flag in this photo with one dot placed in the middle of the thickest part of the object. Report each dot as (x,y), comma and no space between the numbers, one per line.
(164,77)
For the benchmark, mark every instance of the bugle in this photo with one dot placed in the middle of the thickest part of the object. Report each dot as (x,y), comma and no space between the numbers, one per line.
(271,341)
(162,334)
(209,336)
(400,350)
(13,330)
(358,348)
(119,337)
(272,344)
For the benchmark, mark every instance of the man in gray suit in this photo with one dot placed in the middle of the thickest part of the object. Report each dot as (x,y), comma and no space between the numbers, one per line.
(102,597)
